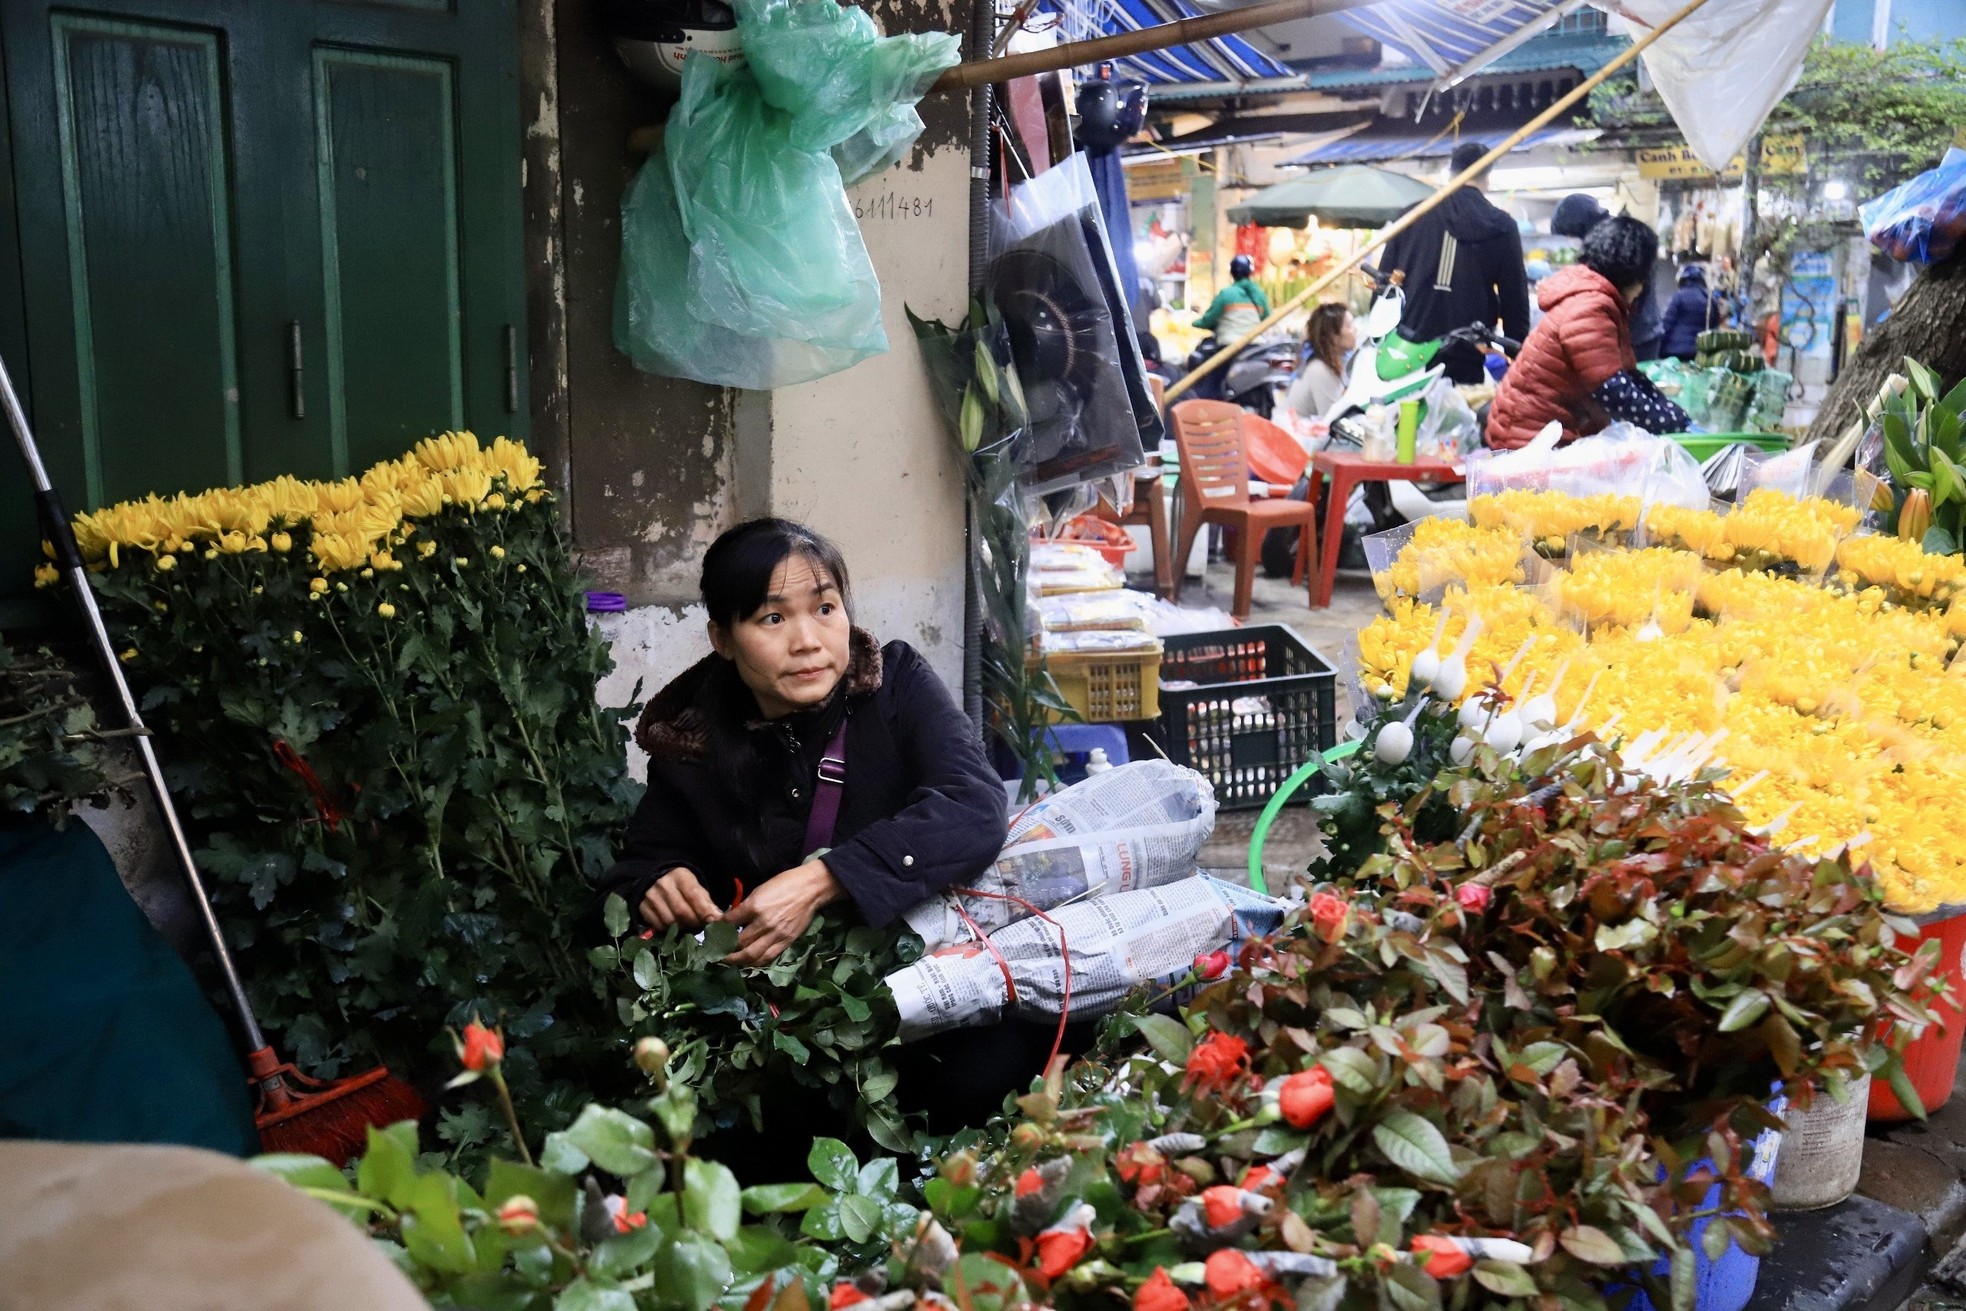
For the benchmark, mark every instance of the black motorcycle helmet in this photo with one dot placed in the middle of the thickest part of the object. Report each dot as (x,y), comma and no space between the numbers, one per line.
(653,37)
(1241,267)
(1110,112)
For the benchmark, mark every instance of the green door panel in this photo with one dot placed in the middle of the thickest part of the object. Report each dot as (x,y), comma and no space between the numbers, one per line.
(141,116)
(388,185)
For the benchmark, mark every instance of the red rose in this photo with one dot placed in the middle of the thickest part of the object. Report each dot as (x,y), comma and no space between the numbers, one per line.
(1212,965)
(1160,1294)
(1222,1205)
(1306,1097)
(1473,897)
(626,1221)
(1140,1164)
(1258,1177)
(1445,1259)
(1060,1249)
(1229,1273)
(481,1049)
(1029,1182)
(845,1294)
(1328,913)
(1217,1060)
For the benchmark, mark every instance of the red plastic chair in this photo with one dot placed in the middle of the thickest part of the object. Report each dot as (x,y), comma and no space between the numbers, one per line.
(1215,489)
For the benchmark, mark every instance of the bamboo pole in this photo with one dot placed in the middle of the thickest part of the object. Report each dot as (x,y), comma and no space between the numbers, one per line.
(1414,215)
(1074,54)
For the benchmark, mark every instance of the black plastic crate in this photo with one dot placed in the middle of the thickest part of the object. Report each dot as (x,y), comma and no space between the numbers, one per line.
(1264,705)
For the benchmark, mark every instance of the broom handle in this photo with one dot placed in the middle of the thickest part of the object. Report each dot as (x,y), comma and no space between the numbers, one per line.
(69,559)
(1447,188)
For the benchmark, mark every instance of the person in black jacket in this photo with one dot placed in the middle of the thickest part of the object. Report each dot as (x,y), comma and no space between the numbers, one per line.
(1691,311)
(1463,265)
(735,746)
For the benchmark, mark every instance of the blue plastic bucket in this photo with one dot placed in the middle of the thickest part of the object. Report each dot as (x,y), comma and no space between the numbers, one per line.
(1726,1284)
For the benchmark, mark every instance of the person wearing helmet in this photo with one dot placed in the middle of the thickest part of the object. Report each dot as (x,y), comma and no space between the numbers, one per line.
(1463,265)
(1238,307)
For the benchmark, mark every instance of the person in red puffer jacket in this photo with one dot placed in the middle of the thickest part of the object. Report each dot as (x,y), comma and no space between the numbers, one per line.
(1577,367)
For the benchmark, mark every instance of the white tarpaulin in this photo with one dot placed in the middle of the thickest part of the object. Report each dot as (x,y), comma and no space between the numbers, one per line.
(1722,69)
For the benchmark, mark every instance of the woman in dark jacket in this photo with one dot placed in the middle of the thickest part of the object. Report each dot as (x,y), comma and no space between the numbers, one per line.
(744,740)
(1691,311)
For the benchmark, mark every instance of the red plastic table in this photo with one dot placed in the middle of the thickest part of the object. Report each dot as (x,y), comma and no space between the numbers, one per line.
(1346,470)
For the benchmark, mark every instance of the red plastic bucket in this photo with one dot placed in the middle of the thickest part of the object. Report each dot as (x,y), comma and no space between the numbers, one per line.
(1932,1058)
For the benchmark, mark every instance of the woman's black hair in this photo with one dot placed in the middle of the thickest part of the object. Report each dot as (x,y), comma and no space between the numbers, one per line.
(738,567)
(737,574)
(1622,249)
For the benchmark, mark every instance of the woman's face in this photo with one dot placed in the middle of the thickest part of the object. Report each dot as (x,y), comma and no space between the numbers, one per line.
(1347,339)
(792,650)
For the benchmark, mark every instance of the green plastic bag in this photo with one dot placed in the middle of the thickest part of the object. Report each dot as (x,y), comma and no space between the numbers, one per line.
(741,262)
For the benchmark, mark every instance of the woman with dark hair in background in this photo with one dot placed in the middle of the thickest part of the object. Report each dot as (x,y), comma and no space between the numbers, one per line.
(1330,337)
(1577,367)
(744,750)
(1576,214)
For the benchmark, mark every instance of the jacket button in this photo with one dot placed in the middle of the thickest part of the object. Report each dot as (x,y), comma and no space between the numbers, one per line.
(907,861)
(795,794)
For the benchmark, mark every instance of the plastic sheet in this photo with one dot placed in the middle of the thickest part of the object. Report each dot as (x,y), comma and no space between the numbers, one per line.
(742,264)
(1922,219)
(1751,48)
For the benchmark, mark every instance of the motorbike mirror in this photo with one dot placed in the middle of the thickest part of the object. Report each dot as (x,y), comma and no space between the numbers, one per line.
(1384,316)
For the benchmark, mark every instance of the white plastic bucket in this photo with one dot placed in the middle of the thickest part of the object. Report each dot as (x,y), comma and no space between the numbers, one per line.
(1822,1151)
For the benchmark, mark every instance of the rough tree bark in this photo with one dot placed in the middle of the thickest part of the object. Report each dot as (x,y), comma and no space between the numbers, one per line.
(1929,325)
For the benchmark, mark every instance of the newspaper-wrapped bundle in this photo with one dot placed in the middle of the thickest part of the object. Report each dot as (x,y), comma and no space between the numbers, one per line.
(1133,826)
(1117,944)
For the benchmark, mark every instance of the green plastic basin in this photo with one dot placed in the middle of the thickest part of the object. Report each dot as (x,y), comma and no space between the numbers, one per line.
(1705,445)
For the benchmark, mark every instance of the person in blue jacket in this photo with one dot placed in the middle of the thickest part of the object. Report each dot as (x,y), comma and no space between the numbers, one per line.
(1691,311)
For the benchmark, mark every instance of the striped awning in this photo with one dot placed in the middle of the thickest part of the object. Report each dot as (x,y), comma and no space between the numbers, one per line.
(1377,148)
(1227,59)
(1452,37)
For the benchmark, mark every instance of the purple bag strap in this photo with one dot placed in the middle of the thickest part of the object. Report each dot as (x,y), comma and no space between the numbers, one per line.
(826,793)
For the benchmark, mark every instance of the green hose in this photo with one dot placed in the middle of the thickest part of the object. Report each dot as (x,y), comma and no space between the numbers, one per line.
(1261,832)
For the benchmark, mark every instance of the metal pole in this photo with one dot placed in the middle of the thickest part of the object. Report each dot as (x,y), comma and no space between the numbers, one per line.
(982,36)
(69,558)
(1414,215)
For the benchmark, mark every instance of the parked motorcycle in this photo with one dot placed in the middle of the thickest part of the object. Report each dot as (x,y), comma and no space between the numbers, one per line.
(1252,378)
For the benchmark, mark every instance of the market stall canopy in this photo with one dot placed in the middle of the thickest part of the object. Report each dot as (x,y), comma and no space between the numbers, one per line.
(1373,146)
(1457,38)
(1224,59)
(1350,196)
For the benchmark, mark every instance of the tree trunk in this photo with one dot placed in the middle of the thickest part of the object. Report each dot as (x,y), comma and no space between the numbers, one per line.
(1929,325)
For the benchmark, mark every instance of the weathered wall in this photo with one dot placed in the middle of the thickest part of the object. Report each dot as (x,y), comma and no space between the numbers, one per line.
(656,467)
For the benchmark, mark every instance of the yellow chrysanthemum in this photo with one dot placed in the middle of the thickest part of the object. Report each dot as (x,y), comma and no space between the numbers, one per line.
(448,451)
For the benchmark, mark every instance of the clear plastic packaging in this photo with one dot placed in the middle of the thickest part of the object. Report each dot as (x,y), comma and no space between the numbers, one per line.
(1925,218)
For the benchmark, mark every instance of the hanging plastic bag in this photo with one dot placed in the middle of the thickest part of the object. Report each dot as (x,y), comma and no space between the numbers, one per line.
(741,263)
(1054,285)
(1922,219)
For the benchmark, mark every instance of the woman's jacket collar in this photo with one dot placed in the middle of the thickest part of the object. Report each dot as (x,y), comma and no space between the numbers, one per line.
(675,725)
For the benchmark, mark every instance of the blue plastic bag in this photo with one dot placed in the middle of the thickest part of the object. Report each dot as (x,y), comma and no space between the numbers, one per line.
(741,262)
(1923,219)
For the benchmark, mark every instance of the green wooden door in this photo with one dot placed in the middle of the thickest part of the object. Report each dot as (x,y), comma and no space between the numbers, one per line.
(256,237)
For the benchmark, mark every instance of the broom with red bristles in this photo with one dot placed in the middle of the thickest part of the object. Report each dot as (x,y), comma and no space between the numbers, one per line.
(296,1113)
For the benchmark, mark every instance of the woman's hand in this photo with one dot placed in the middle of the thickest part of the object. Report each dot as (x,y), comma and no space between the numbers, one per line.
(677,898)
(772,918)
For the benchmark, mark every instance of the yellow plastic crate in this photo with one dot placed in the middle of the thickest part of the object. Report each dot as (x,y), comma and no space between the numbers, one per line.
(1108,687)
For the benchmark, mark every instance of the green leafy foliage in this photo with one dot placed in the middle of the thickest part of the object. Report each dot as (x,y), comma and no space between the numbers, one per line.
(816,1018)
(51,750)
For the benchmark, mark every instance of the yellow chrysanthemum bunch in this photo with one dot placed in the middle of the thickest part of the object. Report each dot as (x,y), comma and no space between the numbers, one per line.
(352,519)
(1841,714)
(1769,528)
(1649,590)
(1444,550)
(1699,531)
(1549,519)
(1901,568)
